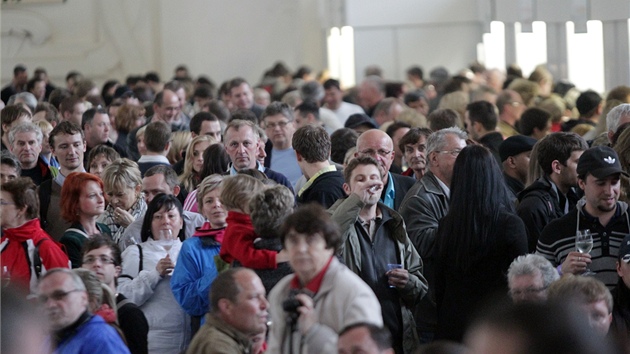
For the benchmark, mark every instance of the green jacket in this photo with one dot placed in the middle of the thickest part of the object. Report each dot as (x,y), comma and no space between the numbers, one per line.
(346,212)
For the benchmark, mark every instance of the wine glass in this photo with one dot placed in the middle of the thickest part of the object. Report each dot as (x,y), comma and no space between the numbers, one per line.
(167,240)
(584,244)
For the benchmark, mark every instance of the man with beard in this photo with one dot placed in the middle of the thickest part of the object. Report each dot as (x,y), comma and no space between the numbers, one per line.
(600,211)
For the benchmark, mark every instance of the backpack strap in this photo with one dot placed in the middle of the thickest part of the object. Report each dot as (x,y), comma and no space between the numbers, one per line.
(140,264)
(45,190)
(37,261)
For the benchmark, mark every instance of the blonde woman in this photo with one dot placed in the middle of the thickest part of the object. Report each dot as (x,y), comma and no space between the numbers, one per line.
(122,190)
(191,177)
(180,142)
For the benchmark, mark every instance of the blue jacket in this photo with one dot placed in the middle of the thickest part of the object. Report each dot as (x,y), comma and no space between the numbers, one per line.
(194,273)
(93,336)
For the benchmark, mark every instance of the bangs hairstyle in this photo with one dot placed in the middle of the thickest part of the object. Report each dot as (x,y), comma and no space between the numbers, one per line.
(71,194)
(102,149)
(238,190)
(206,186)
(168,202)
(312,219)
(24,194)
(120,174)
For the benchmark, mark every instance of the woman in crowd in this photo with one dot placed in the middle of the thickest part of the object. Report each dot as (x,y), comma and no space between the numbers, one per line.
(329,297)
(146,281)
(238,242)
(477,241)
(123,185)
(191,177)
(215,161)
(180,142)
(196,266)
(128,118)
(82,202)
(21,234)
(99,158)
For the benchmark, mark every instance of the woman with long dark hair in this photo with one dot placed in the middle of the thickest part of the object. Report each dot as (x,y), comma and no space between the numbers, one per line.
(476,242)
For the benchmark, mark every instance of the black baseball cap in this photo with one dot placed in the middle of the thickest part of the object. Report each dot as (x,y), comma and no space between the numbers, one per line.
(599,161)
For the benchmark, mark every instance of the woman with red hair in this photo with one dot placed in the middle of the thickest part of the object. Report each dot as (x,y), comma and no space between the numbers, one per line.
(82,202)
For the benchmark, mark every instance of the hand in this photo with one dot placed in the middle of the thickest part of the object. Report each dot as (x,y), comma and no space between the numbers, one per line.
(576,263)
(165,265)
(398,277)
(308,316)
(282,256)
(122,217)
(368,191)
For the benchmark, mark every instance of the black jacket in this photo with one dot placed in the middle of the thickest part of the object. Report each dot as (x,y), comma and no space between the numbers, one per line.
(539,204)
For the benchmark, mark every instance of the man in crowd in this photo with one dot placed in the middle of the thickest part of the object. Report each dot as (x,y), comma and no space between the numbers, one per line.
(529,277)
(238,312)
(25,142)
(590,105)
(63,296)
(278,122)
(68,146)
(242,96)
(378,145)
(511,106)
(599,211)
(242,144)
(333,100)
(9,167)
(18,83)
(424,206)
(481,124)
(157,140)
(96,126)
(514,153)
(589,296)
(72,109)
(617,117)
(371,92)
(414,148)
(367,225)
(166,108)
(552,195)
(364,338)
(12,116)
(159,179)
(324,183)
(102,256)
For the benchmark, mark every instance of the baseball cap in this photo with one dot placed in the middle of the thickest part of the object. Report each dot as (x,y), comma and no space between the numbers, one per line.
(359,119)
(600,161)
(515,145)
(624,250)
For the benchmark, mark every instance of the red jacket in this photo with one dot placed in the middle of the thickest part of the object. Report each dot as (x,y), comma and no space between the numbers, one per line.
(13,254)
(238,244)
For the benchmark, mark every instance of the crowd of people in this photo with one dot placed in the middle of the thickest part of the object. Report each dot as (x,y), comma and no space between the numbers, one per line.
(476,212)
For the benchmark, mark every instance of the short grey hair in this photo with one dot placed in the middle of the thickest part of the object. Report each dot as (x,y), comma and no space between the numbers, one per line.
(76,279)
(26,127)
(529,264)
(28,98)
(614,116)
(312,90)
(376,82)
(437,140)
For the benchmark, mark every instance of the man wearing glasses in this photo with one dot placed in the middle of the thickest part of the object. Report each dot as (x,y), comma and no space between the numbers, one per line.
(424,206)
(529,277)
(102,256)
(62,295)
(377,144)
(279,127)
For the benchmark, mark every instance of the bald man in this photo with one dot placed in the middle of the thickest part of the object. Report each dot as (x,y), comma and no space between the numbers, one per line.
(378,145)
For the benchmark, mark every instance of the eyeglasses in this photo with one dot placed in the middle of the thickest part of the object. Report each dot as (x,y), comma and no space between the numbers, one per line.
(2,202)
(281,124)
(55,296)
(526,292)
(370,152)
(453,153)
(102,259)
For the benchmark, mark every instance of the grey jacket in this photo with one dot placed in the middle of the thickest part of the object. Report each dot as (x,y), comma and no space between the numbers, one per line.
(346,212)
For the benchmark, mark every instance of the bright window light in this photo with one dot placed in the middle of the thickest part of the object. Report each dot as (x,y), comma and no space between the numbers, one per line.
(531,48)
(492,51)
(341,55)
(586,56)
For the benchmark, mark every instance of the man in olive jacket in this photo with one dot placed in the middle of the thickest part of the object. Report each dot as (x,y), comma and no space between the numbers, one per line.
(375,246)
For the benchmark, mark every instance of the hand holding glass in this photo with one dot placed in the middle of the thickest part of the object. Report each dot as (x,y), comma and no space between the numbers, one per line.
(584,244)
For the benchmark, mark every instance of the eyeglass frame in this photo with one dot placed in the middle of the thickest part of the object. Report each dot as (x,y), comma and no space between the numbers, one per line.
(371,153)
(454,152)
(528,291)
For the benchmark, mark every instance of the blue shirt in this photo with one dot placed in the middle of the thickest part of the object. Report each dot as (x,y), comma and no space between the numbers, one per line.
(390,193)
